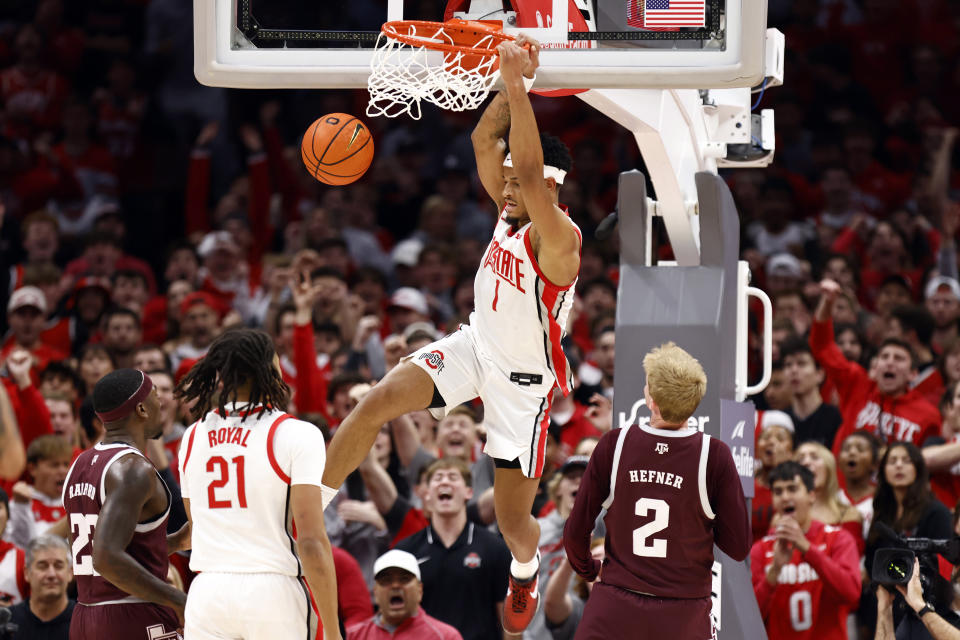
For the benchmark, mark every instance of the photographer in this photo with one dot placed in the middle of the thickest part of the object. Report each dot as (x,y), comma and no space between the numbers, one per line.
(904,503)
(933,624)
(903,500)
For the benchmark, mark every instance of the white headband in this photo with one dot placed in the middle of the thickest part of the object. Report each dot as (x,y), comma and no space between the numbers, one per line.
(549,171)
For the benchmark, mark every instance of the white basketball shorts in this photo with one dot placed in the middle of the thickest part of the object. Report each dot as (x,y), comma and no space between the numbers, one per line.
(516,404)
(251,606)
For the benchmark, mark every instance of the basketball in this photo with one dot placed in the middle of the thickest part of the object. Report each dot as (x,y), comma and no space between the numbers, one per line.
(337,148)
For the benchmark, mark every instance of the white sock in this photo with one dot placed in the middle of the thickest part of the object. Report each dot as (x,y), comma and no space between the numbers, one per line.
(525,570)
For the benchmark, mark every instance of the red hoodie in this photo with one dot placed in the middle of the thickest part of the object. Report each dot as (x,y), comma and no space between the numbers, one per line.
(906,417)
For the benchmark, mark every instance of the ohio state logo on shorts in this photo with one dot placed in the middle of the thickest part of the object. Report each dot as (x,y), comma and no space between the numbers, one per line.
(434,359)
(472,560)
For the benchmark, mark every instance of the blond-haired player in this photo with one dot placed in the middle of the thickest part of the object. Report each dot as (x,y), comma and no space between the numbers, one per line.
(671,493)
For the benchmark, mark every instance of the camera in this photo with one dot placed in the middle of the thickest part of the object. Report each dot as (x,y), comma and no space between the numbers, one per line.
(893,564)
(758,152)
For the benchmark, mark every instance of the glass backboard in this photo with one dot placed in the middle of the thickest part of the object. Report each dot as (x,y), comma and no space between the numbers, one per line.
(588,43)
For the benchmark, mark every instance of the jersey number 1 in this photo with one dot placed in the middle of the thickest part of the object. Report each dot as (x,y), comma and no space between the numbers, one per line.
(224,478)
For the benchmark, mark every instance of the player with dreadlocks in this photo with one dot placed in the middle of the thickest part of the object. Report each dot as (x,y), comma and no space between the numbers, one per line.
(249,471)
(236,364)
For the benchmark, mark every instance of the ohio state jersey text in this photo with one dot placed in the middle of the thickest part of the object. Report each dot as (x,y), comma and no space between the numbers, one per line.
(505,264)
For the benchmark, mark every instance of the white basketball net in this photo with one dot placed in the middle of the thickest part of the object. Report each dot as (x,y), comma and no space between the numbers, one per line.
(402,75)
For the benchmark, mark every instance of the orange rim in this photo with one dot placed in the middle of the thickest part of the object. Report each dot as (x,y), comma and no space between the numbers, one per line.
(457,30)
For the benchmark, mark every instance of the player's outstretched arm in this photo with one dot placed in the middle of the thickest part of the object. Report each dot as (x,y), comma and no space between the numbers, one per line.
(490,148)
(559,239)
(489,136)
(313,547)
(130,484)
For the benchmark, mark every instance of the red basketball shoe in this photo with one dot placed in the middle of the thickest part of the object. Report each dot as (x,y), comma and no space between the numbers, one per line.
(521,603)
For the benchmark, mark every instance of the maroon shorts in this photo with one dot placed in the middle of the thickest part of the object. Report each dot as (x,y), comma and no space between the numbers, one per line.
(137,621)
(612,613)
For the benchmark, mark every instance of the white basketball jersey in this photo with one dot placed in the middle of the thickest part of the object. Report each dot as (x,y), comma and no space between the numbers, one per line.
(520,316)
(237,475)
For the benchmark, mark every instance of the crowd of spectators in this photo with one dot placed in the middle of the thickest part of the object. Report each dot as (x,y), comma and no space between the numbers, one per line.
(142,214)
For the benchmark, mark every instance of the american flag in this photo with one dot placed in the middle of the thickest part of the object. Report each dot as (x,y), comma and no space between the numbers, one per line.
(635,16)
(673,13)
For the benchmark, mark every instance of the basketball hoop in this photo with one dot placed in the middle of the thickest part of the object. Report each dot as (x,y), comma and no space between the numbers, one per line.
(452,64)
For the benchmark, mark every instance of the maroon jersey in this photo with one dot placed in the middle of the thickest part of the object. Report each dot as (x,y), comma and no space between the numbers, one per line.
(669,495)
(83,497)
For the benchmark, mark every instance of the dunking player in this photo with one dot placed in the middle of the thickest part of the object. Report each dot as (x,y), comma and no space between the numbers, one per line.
(249,474)
(117,506)
(509,355)
(670,492)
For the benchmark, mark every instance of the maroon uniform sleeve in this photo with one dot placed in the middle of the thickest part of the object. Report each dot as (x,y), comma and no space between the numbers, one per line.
(762,589)
(731,527)
(840,570)
(355,606)
(594,489)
